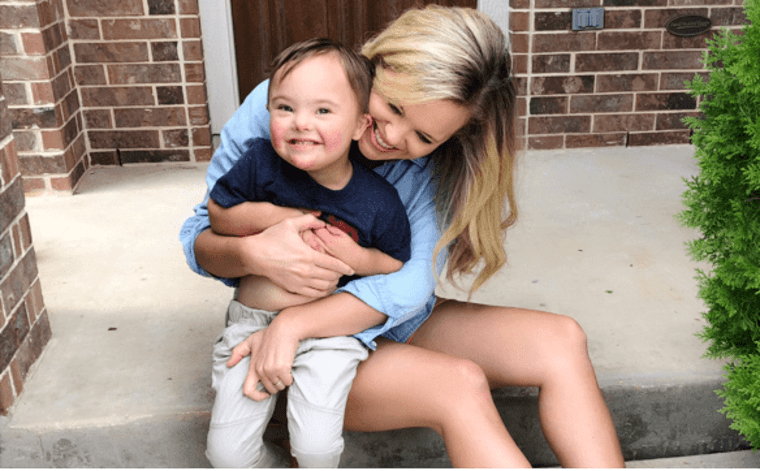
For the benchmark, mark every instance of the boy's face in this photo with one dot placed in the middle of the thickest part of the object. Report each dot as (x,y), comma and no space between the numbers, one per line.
(314,114)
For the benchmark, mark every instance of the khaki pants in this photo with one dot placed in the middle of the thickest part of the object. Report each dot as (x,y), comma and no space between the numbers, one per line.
(323,371)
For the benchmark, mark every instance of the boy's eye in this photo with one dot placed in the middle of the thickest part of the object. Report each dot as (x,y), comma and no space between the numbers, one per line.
(323,111)
(285,108)
(424,138)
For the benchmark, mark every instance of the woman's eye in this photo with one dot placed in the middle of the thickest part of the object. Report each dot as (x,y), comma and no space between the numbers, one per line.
(323,111)
(394,108)
(424,138)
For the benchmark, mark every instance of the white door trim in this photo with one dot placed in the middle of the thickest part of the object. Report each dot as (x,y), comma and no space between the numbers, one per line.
(219,61)
(498,11)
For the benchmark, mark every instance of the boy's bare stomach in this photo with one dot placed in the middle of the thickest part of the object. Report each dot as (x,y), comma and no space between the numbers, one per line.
(259,292)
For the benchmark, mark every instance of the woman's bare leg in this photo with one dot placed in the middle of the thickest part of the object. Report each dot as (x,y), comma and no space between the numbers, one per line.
(517,347)
(401,386)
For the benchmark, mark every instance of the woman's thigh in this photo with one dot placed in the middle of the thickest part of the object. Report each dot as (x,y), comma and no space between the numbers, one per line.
(514,347)
(402,386)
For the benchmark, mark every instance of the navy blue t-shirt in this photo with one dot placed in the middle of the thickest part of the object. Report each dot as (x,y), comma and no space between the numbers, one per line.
(368,208)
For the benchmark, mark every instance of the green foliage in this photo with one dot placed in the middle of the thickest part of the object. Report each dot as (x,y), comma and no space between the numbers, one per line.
(723,202)
(742,397)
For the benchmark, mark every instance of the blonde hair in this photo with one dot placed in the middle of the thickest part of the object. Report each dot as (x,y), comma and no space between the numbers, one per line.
(460,55)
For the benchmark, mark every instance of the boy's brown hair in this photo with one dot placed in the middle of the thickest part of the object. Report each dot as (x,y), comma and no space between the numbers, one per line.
(359,70)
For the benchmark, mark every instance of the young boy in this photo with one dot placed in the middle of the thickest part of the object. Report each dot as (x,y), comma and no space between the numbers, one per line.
(318,97)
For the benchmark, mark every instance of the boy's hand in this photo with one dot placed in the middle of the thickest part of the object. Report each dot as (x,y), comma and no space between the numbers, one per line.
(283,257)
(340,245)
(313,241)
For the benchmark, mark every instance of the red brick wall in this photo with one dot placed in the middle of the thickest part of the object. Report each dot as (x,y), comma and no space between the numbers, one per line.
(139,68)
(102,82)
(43,102)
(24,326)
(622,85)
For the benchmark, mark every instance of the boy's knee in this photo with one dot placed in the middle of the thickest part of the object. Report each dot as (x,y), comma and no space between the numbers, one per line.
(222,452)
(317,450)
(317,460)
(316,437)
(222,455)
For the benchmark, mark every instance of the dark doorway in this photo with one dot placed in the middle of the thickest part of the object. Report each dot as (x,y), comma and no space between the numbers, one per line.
(265,27)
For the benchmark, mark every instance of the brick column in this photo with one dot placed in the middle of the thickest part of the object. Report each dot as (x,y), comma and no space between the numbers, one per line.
(24,326)
(44,105)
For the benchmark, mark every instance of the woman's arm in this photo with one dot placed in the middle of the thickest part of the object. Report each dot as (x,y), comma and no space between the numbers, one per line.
(250,121)
(278,253)
(404,294)
(273,349)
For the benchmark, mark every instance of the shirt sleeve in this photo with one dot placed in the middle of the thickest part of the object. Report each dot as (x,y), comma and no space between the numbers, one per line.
(405,293)
(250,121)
(237,185)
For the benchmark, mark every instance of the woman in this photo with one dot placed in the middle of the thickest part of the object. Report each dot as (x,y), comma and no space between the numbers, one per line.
(442,105)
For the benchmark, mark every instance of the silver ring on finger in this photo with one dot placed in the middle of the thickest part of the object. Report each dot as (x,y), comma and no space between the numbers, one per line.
(278,383)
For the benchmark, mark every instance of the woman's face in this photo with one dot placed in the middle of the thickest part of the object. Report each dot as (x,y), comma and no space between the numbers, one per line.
(403,132)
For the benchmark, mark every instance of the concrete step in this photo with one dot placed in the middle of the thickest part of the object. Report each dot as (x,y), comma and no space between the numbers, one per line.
(178,441)
(125,380)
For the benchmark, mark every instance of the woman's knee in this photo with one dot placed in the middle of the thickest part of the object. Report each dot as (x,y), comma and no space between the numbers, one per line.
(472,376)
(568,347)
(573,337)
(467,387)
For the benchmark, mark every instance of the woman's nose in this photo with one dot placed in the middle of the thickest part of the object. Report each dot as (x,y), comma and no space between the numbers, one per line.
(394,132)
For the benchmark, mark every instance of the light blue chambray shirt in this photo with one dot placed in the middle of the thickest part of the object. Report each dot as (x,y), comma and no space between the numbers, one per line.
(406,296)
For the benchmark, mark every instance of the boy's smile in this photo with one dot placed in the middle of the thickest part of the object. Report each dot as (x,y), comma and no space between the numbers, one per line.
(314,116)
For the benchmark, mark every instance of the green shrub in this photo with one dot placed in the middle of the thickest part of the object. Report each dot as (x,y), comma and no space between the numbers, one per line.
(723,202)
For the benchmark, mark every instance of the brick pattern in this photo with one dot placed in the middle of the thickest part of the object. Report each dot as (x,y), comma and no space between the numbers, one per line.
(24,326)
(95,82)
(138,65)
(619,86)
(43,102)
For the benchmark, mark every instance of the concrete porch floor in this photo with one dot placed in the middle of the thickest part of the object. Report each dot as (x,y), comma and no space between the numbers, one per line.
(125,380)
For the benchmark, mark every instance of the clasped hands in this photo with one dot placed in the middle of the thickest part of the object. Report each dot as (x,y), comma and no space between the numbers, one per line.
(304,257)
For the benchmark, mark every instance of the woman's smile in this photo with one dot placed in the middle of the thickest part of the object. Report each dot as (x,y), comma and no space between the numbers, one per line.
(381,144)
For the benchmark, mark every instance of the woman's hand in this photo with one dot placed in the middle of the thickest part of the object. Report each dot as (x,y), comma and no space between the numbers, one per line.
(272,351)
(283,257)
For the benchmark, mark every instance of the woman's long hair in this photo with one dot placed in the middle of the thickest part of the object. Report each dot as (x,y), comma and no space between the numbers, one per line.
(460,55)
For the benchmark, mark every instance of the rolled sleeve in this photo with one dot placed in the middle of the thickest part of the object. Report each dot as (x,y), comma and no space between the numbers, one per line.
(250,121)
(407,293)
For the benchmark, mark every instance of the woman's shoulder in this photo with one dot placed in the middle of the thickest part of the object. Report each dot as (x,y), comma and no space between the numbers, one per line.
(416,172)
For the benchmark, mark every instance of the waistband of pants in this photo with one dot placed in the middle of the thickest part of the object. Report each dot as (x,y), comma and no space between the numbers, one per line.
(236,312)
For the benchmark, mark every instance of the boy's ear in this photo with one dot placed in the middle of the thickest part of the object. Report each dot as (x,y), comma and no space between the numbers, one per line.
(361,126)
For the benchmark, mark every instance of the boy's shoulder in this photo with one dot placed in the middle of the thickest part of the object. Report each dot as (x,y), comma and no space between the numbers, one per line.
(260,153)
(373,184)
(367,176)
(259,145)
